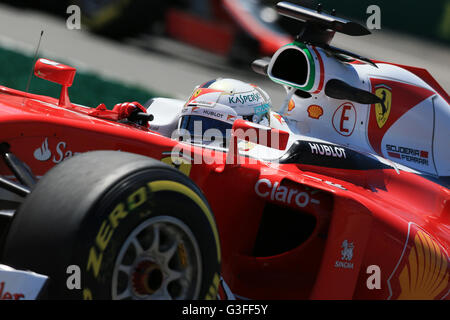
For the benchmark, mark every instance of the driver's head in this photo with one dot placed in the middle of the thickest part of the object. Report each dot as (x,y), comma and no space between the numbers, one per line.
(216,104)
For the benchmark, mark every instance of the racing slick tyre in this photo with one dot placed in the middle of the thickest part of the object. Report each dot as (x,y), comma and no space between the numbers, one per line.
(134,228)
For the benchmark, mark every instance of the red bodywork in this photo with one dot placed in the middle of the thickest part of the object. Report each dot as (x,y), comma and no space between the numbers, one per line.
(365,221)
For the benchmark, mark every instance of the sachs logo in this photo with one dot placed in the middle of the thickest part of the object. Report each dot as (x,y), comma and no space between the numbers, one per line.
(382,110)
(346,256)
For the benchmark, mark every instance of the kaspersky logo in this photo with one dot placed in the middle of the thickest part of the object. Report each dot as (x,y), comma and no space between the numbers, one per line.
(382,110)
(243,98)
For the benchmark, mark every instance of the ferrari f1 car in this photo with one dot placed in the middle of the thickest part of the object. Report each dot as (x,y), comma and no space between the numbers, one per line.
(308,208)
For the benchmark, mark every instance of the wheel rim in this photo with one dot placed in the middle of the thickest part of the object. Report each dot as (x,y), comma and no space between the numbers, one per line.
(159,260)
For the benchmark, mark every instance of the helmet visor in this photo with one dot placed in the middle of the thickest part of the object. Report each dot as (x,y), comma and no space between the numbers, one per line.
(206,130)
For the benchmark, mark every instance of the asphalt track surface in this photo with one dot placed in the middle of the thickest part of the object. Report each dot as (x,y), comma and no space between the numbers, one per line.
(172,69)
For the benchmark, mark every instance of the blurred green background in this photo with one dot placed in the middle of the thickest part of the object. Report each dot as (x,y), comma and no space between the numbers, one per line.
(88,89)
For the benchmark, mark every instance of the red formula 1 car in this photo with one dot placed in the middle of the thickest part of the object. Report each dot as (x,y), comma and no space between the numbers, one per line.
(139,215)
(238,29)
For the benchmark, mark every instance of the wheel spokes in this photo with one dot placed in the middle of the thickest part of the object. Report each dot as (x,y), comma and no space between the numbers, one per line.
(155,245)
(156,239)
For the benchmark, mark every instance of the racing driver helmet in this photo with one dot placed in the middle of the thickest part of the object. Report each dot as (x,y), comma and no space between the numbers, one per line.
(216,104)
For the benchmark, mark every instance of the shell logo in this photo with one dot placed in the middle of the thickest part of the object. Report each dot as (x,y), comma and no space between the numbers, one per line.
(426,275)
(423,272)
(315,111)
(291,105)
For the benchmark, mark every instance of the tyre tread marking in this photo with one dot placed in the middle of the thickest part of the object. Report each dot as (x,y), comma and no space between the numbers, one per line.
(168,185)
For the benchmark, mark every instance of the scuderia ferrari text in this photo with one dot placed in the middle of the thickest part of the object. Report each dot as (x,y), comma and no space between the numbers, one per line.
(231,309)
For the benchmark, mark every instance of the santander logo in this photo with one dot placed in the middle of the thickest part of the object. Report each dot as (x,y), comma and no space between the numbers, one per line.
(61,152)
(43,153)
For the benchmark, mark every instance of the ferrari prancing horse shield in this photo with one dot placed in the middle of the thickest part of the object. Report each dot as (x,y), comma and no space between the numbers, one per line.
(382,110)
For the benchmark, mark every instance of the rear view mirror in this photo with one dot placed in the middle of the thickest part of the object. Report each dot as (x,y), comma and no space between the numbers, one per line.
(56,72)
(261,66)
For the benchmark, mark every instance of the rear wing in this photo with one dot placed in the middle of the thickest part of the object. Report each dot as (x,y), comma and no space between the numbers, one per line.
(319,27)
